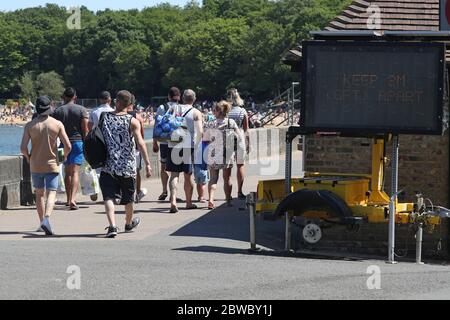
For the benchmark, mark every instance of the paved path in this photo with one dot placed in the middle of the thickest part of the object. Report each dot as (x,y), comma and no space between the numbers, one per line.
(193,255)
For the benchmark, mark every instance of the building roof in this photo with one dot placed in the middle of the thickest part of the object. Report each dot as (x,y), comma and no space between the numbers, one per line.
(396,15)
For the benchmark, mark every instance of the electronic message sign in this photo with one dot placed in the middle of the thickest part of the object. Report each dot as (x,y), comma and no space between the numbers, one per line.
(372,87)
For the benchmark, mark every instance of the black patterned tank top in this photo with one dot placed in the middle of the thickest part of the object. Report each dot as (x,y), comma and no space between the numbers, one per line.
(120,144)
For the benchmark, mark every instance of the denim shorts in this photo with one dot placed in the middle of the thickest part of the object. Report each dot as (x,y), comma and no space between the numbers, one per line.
(201,176)
(47,181)
(76,156)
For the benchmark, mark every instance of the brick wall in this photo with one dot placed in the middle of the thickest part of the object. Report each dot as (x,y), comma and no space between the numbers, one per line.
(423,166)
(372,239)
(423,162)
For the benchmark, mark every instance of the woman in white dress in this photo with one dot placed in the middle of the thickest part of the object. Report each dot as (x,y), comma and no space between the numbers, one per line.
(221,134)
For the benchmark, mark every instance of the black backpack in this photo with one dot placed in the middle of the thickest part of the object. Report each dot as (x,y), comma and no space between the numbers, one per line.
(95,150)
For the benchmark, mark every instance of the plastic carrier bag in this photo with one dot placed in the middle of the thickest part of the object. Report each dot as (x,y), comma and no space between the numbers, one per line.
(89,181)
(61,185)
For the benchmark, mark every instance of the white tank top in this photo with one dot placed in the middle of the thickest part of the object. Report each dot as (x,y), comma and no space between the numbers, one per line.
(188,112)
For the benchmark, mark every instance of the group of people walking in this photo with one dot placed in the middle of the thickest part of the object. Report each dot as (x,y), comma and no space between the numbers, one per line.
(211,145)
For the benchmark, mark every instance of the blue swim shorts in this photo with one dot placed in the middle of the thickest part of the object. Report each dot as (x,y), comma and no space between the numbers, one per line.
(76,156)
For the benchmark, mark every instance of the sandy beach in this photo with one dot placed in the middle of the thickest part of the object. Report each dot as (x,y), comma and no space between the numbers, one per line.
(13,121)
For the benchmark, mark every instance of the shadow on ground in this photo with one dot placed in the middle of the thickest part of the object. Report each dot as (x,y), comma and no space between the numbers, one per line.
(271,253)
(233,224)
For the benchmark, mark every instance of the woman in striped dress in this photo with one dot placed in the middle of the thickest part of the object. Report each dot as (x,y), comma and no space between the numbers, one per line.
(240,116)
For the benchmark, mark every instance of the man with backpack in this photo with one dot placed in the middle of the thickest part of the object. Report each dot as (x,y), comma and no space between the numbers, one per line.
(163,148)
(180,157)
(118,178)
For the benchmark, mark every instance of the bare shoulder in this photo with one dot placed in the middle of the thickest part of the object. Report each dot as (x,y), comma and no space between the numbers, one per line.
(28,125)
(135,123)
(56,122)
(198,115)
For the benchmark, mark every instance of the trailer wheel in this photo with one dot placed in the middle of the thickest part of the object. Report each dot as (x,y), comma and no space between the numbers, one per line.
(322,205)
(312,233)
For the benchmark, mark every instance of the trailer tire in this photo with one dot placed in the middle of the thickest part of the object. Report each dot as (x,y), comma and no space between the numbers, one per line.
(301,201)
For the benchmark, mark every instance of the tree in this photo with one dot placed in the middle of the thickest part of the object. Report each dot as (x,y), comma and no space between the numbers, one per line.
(262,73)
(27,86)
(11,60)
(205,57)
(50,84)
(207,47)
(130,64)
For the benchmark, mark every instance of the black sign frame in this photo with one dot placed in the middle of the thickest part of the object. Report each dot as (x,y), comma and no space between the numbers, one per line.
(438,126)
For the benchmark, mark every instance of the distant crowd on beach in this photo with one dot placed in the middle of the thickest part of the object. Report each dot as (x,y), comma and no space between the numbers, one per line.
(16,114)
(19,115)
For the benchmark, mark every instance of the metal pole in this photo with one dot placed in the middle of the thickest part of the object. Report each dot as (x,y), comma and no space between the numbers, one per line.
(288,111)
(293,104)
(288,168)
(303,155)
(288,186)
(393,203)
(419,237)
(252,208)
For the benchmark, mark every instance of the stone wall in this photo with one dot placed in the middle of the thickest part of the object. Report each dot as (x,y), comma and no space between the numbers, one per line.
(10,180)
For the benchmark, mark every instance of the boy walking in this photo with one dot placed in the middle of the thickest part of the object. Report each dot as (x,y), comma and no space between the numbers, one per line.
(43,132)
(118,178)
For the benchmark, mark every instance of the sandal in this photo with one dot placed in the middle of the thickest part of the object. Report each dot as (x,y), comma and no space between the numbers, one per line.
(211,207)
(174,210)
(193,207)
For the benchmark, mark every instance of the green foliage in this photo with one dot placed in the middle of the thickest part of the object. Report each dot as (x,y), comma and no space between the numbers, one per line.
(27,86)
(50,84)
(11,104)
(207,47)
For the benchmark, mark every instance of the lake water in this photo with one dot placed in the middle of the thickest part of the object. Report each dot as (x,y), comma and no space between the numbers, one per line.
(11,136)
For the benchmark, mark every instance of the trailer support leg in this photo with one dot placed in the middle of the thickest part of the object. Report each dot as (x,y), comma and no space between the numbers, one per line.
(288,236)
(251,200)
(419,240)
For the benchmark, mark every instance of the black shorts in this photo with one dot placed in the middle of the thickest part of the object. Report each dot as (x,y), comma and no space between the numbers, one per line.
(164,153)
(116,187)
(183,163)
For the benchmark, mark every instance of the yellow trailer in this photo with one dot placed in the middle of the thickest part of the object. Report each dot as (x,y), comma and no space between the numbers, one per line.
(347,199)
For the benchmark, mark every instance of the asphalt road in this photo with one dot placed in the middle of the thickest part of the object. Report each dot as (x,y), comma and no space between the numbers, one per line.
(194,255)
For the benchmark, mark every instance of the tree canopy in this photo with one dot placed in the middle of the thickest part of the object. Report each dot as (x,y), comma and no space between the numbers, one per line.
(208,47)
